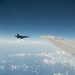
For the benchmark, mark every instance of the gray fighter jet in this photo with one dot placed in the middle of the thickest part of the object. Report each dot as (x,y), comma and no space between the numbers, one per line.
(21,37)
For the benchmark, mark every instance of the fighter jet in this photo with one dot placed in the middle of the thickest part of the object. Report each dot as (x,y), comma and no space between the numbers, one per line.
(21,37)
(64,44)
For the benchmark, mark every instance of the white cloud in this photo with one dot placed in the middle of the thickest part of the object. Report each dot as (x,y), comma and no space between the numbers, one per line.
(26,66)
(35,42)
(13,67)
(53,62)
(17,41)
(58,74)
(23,54)
(46,61)
(2,67)
(23,41)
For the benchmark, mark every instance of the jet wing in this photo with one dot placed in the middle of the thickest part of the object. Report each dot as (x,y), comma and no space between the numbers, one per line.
(64,44)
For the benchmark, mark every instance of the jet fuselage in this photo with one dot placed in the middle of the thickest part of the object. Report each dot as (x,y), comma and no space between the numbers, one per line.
(21,37)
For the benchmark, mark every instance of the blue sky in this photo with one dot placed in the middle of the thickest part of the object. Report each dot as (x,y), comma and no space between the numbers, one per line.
(36,18)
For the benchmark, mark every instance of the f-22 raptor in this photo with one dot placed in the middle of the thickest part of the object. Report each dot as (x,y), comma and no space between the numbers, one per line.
(21,37)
